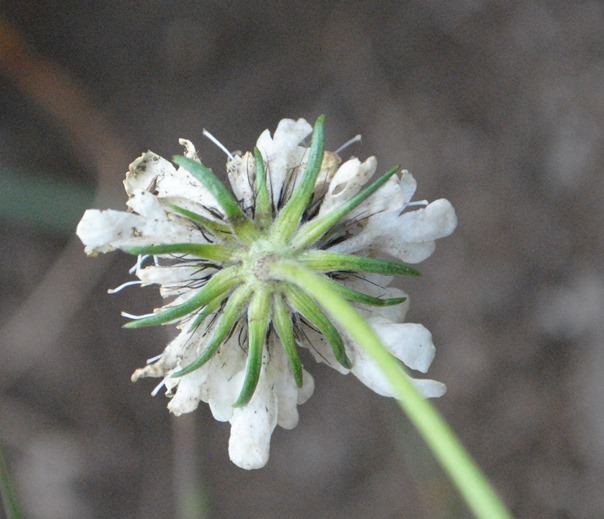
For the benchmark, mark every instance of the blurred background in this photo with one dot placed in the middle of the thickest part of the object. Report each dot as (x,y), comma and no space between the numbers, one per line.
(497,106)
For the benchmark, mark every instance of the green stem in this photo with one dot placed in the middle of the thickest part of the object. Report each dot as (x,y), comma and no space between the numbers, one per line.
(447,448)
(9,500)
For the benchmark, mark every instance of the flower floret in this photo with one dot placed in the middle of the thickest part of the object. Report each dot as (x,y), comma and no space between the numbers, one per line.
(213,252)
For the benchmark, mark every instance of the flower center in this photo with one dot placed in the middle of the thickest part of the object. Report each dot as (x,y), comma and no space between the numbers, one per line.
(256,260)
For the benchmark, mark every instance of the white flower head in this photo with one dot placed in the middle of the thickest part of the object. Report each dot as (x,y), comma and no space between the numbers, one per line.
(213,253)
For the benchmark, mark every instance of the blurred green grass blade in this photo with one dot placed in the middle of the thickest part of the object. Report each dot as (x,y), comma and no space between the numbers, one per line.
(42,202)
(9,500)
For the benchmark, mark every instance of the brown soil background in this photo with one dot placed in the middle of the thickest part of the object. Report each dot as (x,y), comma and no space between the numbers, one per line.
(497,106)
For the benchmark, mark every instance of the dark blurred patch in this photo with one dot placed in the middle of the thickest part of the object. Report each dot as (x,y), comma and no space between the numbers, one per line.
(495,105)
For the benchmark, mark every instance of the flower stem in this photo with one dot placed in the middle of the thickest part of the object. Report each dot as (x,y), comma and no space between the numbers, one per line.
(7,494)
(463,471)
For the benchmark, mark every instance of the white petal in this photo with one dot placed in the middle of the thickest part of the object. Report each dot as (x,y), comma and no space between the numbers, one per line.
(190,151)
(223,383)
(104,231)
(320,349)
(329,166)
(173,279)
(287,393)
(251,428)
(284,387)
(242,173)
(185,391)
(100,231)
(155,370)
(161,226)
(372,284)
(409,342)
(407,252)
(144,170)
(307,389)
(370,375)
(408,186)
(435,221)
(393,313)
(184,349)
(152,173)
(409,237)
(282,153)
(147,205)
(221,397)
(290,133)
(389,197)
(349,179)
(429,388)
(188,392)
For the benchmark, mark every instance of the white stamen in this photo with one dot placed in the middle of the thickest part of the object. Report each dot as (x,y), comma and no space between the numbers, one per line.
(208,135)
(154,359)
(418,202)
(139,263)
(158,387)
(124,285)
(136,317)
(354,140)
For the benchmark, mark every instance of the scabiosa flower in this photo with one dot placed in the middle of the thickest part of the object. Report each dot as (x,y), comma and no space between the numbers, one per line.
(214,254)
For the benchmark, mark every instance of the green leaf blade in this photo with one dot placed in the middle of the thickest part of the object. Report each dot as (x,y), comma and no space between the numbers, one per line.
(9,500)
